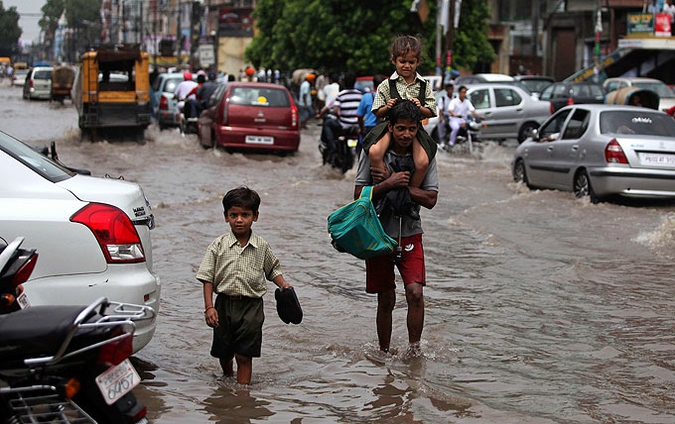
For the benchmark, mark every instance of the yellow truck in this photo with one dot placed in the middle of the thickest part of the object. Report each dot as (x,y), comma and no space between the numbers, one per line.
(112,90)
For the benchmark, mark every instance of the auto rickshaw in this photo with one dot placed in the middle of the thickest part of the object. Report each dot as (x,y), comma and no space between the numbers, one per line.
(112,90)
(62,83)
(634,96)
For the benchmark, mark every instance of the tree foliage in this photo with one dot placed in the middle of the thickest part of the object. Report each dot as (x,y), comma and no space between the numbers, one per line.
(352,35)
(471,44)
(10,32)
(334,35)
(51,13)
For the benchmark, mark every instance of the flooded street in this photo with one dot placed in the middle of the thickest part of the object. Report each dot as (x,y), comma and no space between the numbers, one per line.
(540,308)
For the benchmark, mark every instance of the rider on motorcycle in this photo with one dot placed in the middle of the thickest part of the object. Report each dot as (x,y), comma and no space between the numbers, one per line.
(459,109)
(345,107)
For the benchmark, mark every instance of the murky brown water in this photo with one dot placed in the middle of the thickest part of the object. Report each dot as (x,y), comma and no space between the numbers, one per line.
(540,307)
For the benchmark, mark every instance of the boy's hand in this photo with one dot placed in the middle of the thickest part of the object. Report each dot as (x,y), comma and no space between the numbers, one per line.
(417,102)
(379,174)
(211,317)
(391,103)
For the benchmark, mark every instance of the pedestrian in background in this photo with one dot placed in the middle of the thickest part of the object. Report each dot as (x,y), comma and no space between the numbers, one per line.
(305,100)
(367,119)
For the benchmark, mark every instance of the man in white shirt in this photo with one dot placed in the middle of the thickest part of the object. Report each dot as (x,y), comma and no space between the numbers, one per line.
(187,89)
(459,110)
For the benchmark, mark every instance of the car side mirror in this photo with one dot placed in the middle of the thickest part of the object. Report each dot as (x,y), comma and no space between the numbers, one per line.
(534,134)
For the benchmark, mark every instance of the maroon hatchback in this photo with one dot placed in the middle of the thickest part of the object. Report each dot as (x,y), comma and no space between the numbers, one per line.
(256,116)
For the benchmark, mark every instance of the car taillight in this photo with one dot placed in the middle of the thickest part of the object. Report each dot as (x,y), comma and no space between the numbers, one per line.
(114,352)
(114,232)
(225,113)
(163,103)
(614,153)
(22,275)
(31,83)
(570,101)
(294,117)
(551,108)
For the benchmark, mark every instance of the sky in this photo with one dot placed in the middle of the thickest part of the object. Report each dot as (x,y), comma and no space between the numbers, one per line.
(29,24)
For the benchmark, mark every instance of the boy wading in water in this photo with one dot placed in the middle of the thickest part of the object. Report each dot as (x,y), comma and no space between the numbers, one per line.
(235,267)
(405,83)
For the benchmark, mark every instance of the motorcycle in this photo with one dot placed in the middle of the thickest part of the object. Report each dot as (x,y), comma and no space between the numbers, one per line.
(188,125)
(469,132)
(340,155)
(64,364)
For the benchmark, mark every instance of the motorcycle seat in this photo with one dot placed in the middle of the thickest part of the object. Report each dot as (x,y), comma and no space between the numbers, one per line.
(35,331)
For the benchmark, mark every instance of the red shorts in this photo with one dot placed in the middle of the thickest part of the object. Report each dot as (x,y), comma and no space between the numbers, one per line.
(380,270)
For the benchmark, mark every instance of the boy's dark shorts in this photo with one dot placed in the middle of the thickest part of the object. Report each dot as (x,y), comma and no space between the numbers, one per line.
(240,329)
(380,269)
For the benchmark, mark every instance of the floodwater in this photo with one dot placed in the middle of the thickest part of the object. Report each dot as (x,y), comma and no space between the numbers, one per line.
(540,308)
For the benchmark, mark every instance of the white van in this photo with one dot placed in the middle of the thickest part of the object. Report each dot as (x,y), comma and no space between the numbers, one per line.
(38,83)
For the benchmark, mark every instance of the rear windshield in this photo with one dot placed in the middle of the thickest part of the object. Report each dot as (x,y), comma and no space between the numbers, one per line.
(638,123)
(658,87)
(171,84)
(42,75)
(32,159)
(587,90)
(254,96)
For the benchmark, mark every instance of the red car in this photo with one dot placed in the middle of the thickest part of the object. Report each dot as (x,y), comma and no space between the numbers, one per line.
(251,116)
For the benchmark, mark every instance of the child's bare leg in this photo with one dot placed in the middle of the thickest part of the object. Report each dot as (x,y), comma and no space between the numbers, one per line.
(227,366)
(421,160)
(244,369)
(377,151)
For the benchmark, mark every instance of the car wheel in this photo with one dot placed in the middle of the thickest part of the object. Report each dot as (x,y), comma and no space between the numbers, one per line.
(519,173)
(582,186)
(526,131)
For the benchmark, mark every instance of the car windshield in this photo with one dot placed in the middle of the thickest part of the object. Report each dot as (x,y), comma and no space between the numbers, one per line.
(587,90)
(171,84)
(658,87)
(33,160)
(637,122)
(45,75)
(254,96)
(535,86)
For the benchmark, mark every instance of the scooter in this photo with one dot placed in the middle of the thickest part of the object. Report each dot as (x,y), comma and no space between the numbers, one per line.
(188,125)
(64,364)
(469,132)
(340,155)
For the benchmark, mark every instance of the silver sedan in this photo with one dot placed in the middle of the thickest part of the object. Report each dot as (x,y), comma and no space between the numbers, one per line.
(510,112)
(601,150)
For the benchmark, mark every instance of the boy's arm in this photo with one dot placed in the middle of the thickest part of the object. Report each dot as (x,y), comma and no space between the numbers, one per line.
(280,281)
(210,313)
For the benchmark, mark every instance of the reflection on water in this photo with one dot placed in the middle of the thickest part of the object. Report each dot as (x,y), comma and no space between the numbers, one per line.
(540,307)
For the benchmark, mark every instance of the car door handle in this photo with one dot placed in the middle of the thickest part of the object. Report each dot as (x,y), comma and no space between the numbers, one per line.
(520,109)
(487,113)
(575,148)
(549,148)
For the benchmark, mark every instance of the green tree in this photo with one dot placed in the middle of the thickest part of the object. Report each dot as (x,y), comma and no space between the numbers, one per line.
(471,45)
(51,13)
(85,17)
(335,35)
(10,32)
(341,35)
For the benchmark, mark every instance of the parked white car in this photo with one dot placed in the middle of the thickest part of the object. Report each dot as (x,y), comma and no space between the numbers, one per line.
(92,234)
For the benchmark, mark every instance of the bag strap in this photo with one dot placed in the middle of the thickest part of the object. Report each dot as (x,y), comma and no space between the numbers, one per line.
(367,191)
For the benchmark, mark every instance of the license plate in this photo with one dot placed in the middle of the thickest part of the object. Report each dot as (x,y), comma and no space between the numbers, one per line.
(22,300)
(117,381)
(257,139)
(656,159)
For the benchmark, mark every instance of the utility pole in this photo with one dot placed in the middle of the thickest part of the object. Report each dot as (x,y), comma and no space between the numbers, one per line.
(450,35)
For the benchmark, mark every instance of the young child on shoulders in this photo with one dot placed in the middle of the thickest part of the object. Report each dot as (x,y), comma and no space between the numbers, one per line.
(235,267)
(405,83)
